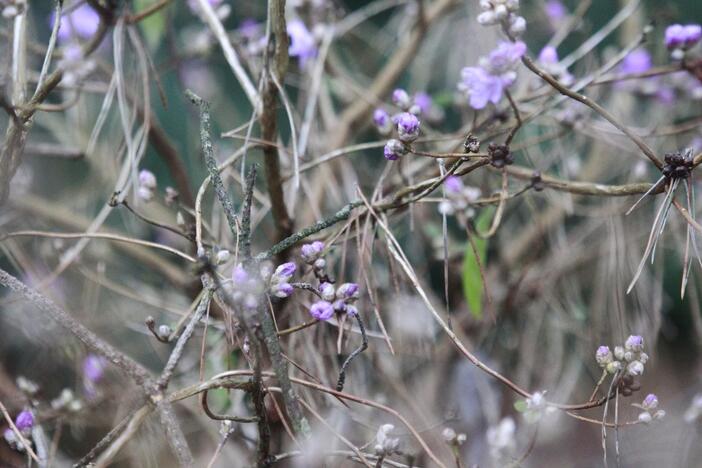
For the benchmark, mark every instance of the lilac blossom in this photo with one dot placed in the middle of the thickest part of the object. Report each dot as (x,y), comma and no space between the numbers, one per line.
(24,421)
(678,36)
(80,23)
(423,101)
(93,368)
(487,82)
(249,29)
(453,185)
(638,61)
(322,310)
(302,42)
(480,87)
(555,11)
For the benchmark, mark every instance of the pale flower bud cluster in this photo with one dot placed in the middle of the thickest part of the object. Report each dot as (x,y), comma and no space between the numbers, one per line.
(312,255)
(452,438)
(147,185)
(502,12)
(501,439)
(629,358)
(384,444)
(650,409)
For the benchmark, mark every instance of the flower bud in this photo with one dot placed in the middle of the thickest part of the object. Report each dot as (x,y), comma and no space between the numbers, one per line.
(635,368)
(322,310)
(394,149)
(603,356)
(407,127)
(282,290)
(147,179)
(347,291)
(634,343)
(327,291)
(284,272)
(24,421)
(311,252)
(650,402)
(382,121)
(401,99)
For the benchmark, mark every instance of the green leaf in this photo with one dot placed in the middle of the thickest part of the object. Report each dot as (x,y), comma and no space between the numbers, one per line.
(471,278)
(520,406)
(154,25)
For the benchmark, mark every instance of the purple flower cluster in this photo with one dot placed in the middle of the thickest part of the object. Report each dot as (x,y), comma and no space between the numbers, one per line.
(678,36)
(312,255)
(496,72)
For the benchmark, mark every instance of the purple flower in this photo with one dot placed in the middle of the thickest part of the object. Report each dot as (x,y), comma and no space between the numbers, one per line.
(282,290)
(423,101)
(453,185)
(665,95)
(382,121)
(638,61)
(147,179)
(381,117)
(504,58)
(548,55)
(394,149)
(677,35)
(310,252)
(249,28)
(347,291)
(603,356)
(693,34)
(555,11)
(650,402)
(284,271)
(634,343)
(480,87)
(401,99)
(302,43)
(93,368)
(24,421)
(322,310)
(82,22)
(407,126)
